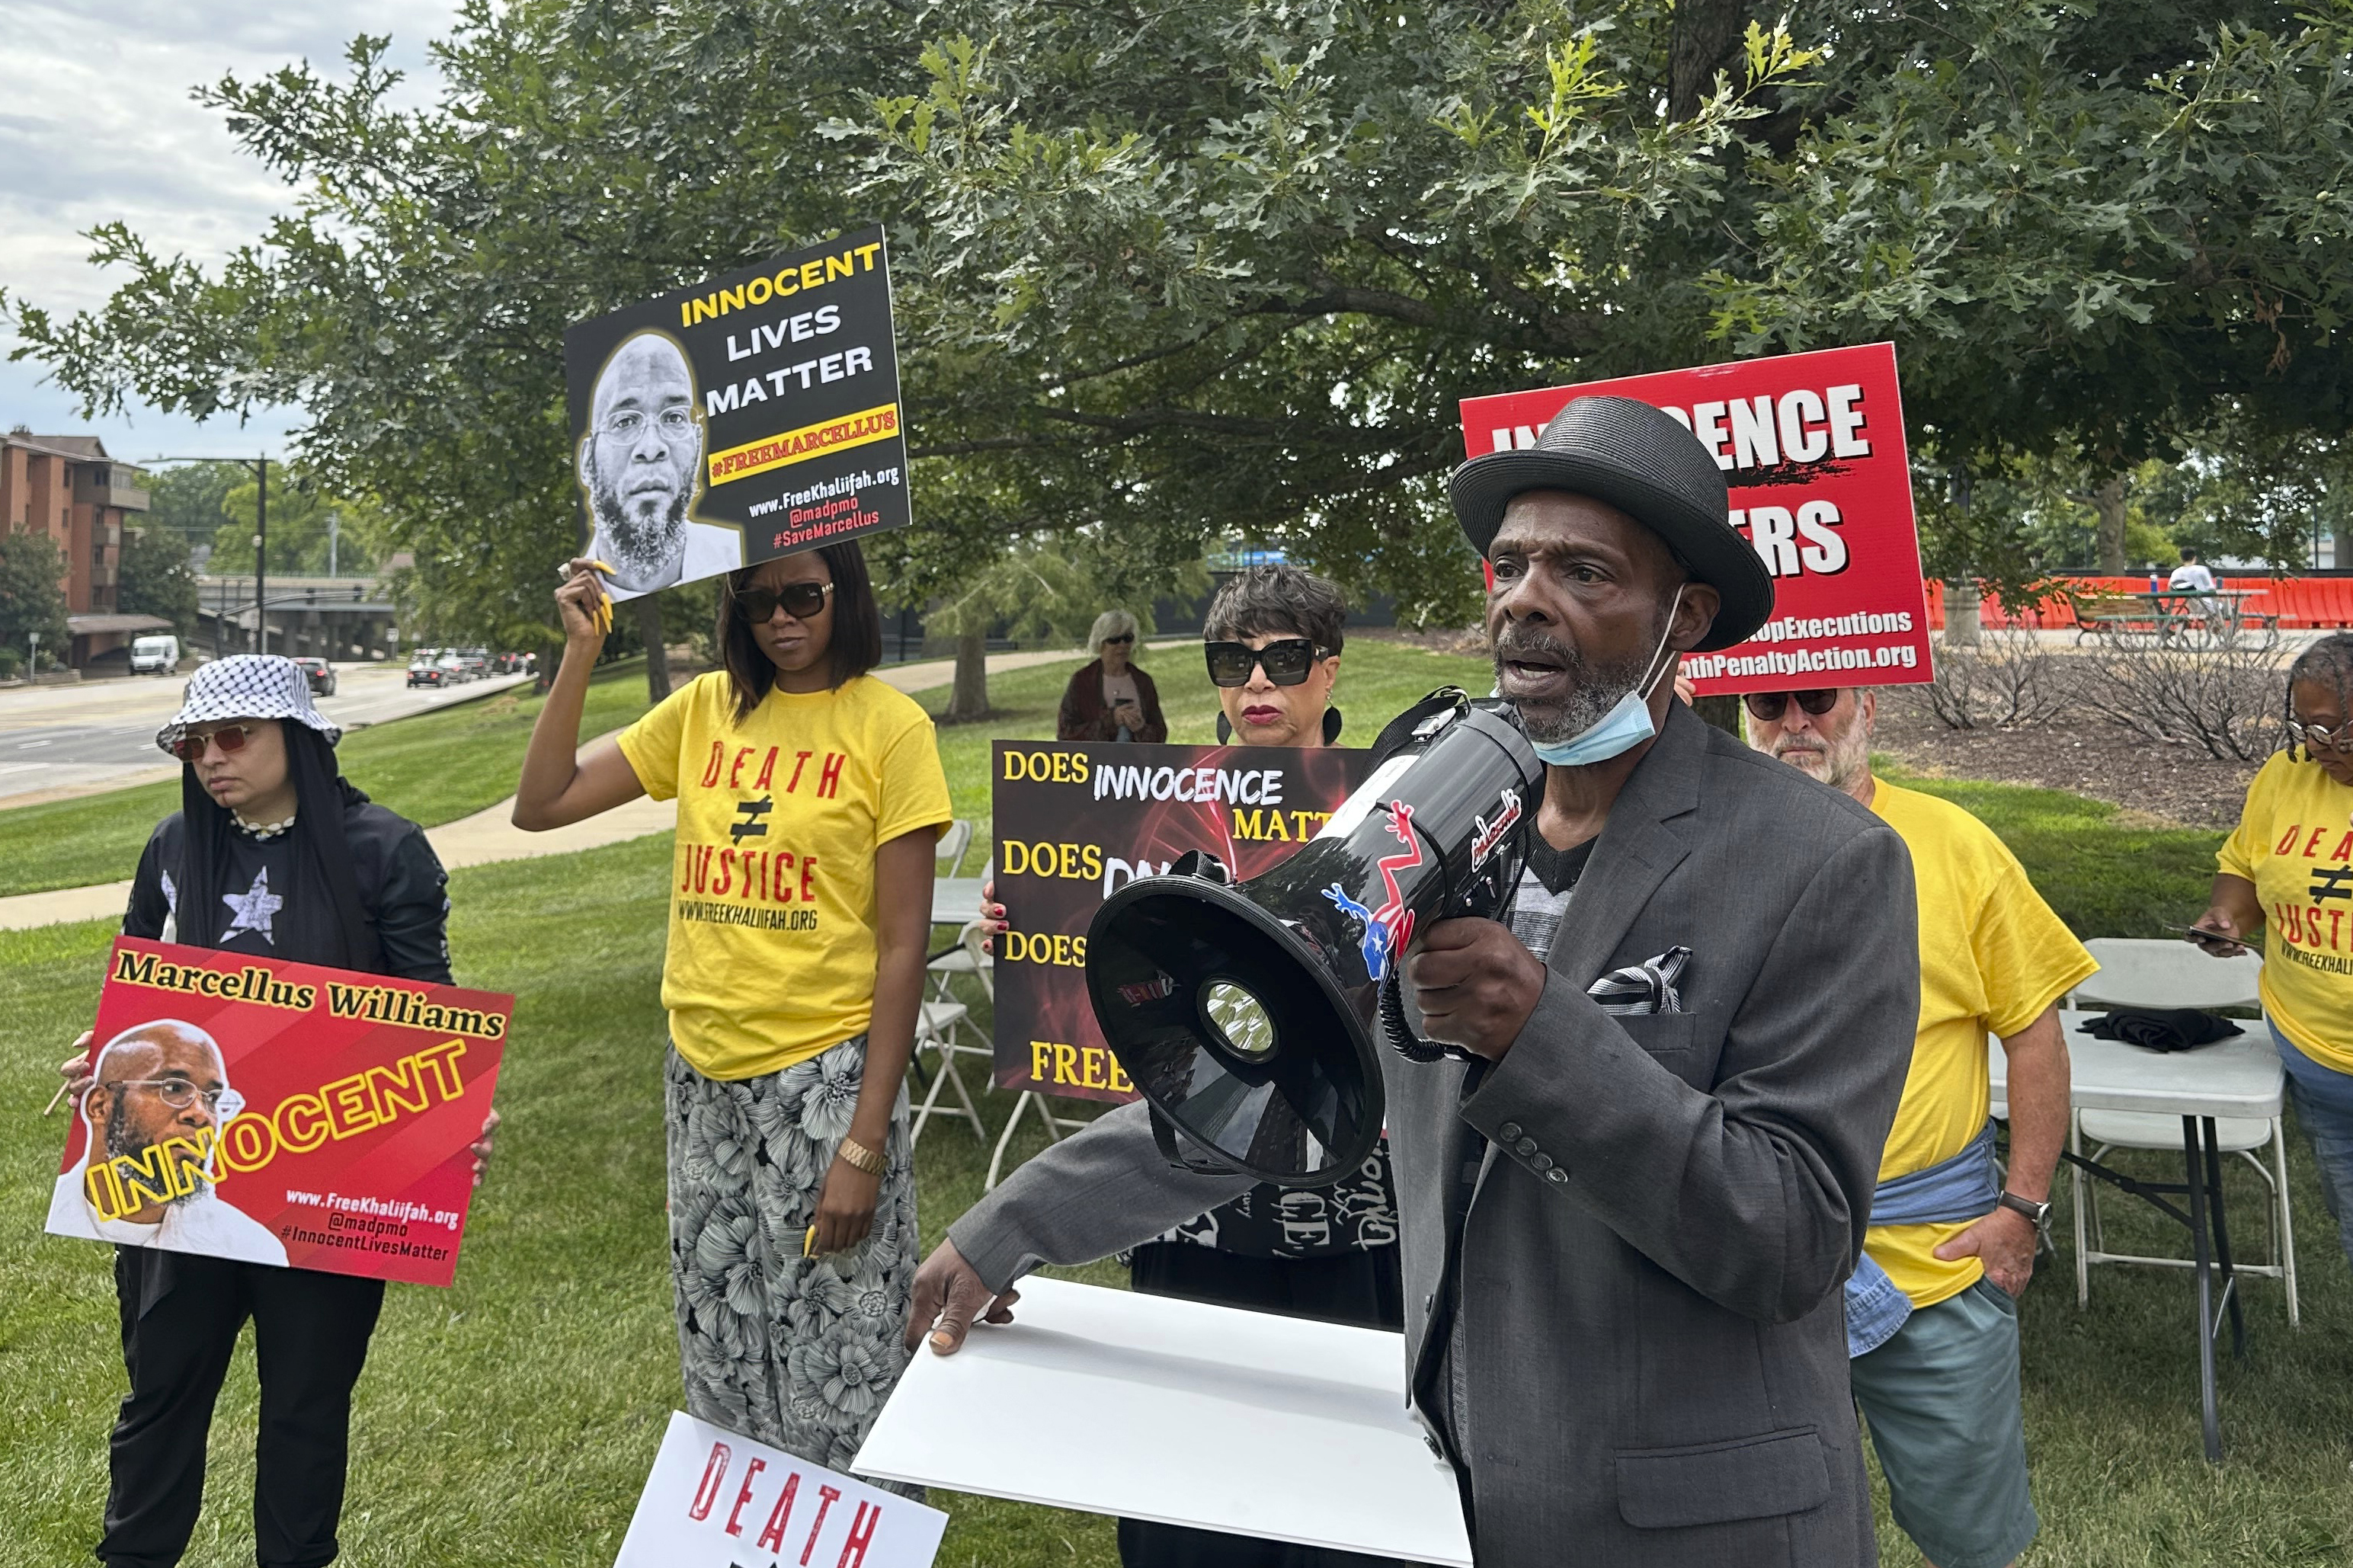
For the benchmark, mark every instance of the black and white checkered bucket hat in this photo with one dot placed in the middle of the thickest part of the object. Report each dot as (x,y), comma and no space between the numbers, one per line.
(247,686)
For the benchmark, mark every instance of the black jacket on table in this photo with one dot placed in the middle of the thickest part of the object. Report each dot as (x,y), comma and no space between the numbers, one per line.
(401,885)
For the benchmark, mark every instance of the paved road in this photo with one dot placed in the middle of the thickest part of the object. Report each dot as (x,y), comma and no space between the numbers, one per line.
(60,740)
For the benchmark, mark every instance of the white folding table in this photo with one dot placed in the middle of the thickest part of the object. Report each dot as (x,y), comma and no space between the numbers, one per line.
(2239,1076)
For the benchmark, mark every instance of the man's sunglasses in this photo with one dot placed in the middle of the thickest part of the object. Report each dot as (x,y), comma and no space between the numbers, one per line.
(1287,662)
(1768,706)
(802,601)
(229,738)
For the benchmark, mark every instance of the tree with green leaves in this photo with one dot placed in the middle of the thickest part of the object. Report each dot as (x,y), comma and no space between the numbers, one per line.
(1170,271)
(31,567)
(155,579)
(188,497)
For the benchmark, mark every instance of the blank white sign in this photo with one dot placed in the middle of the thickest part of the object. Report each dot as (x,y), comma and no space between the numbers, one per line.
(1117,1403)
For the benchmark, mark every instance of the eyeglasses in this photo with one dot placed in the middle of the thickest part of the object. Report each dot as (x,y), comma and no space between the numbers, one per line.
(229,738)
(2316,738)
(1768,706)
(179,1093)
(1286,661)
(674,423)
(1122,639)
(802,601)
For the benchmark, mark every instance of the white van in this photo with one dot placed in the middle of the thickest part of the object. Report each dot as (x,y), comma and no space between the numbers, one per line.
(154,655)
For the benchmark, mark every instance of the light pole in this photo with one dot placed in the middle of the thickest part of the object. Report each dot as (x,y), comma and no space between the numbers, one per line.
(260,466)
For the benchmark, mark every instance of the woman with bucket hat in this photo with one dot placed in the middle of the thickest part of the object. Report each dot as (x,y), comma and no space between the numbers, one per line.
(274,853)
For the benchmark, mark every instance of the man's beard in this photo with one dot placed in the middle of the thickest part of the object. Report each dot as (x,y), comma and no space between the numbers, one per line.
(1837,764)
(646,549)
(1596,687)
(124,1141)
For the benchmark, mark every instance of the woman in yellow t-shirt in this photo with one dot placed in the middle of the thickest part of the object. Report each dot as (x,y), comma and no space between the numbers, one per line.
(2290,866)
(809,800)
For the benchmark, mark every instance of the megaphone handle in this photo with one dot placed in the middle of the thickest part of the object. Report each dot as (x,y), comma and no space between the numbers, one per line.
(1402,1038)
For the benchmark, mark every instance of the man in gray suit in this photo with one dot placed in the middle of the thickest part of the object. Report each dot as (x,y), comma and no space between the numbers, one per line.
(1626,1225)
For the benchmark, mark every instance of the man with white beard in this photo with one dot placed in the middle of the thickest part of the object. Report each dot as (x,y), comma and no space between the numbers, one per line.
(640,465)
(1932,1319)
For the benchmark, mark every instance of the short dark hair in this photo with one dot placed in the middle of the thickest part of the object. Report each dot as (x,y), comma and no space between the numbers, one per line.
(1264,599)
(2189,552)
(854,647)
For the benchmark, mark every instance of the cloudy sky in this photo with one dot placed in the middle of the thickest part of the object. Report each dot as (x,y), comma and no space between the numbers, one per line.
(96,124)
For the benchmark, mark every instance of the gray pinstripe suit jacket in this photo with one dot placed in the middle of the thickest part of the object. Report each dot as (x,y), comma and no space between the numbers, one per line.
(1648,1365)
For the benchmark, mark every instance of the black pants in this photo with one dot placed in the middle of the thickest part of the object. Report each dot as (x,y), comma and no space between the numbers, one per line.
(180,1315)
(1362,1289)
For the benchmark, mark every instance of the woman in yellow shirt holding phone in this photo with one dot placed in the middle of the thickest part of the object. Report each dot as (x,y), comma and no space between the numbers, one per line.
(2289,868)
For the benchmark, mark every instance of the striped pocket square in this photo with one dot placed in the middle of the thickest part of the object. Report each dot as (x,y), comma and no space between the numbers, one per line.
(1644,988)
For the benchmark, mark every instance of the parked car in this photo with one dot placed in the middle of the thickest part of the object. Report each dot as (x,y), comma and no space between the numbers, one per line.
(320,675)
(425,668)
(154,655)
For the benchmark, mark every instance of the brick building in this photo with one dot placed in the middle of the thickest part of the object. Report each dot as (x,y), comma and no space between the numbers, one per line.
(67,488)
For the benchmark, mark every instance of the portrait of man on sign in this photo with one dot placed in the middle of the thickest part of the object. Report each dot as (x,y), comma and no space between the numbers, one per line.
(153,1111)
(640,466)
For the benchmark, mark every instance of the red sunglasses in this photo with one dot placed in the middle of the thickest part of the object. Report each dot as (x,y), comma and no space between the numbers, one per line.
(229,738)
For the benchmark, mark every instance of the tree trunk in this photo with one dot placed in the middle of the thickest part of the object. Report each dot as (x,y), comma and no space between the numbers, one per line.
(2110,501)
(1699,44)
(970,699)
(1961,617)
(1723,712)
(649,628)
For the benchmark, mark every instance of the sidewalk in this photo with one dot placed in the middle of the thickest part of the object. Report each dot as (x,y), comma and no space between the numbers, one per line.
(489,836)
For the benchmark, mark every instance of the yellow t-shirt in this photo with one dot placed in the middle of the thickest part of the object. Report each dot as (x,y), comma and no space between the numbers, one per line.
(2295,843)
(1992,957)
(772,920)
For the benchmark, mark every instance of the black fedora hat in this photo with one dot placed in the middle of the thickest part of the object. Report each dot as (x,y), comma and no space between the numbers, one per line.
(1627,453)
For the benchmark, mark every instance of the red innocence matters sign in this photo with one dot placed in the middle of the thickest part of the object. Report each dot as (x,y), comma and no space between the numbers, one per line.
(276,1113)
(1811,445)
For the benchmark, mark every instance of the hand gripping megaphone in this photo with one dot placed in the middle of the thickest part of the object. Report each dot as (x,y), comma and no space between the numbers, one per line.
(1246,1012)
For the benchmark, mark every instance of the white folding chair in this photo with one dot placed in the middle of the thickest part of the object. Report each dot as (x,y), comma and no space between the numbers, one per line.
(953,845)
(939,1030)
(2136,972)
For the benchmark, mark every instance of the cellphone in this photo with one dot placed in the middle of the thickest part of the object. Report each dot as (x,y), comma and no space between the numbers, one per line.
(2199,933)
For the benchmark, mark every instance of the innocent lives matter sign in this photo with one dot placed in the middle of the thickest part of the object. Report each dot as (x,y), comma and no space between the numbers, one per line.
(1074,823)
(745,417)
(278,1112)
(1812,448)
(716,1500)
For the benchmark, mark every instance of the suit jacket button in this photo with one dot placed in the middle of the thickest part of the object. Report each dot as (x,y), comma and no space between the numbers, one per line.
(1525,1146)
(1429,1302)
(1556,1175)
(1435,1446)
(1508,1130)
(1541,1164)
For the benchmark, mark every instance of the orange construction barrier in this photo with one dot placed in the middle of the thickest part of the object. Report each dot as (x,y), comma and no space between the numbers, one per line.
(2298,604)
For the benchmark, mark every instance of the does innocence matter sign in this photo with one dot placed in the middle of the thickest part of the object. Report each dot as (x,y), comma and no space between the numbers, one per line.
(278,1112)
(1812,448)
(745,417)
(1074,823)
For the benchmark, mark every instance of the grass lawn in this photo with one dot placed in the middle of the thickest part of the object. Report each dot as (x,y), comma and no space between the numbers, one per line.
(511,1420)
(432,769)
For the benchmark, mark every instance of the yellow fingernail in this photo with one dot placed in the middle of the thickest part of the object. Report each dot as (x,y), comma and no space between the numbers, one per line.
(808,1242)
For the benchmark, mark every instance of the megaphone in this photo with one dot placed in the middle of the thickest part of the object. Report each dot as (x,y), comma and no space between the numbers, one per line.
(1246,1012)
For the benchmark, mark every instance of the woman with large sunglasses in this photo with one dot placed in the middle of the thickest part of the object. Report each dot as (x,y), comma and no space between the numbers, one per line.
(2289,868)
(810,797)
(272,852)
(1110,699)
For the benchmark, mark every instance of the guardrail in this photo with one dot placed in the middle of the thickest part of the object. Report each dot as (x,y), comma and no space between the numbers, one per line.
(2301,603)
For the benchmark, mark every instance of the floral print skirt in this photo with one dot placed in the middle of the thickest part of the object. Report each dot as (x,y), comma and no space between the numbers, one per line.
(797,1352)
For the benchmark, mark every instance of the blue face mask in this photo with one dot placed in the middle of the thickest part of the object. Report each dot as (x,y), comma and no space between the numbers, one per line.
(1625,726)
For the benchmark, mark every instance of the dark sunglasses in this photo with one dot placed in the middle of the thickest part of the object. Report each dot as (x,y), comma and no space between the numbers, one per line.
(1287,662)
(1122,639)
(1768,706)
(229,738)
(802,601)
